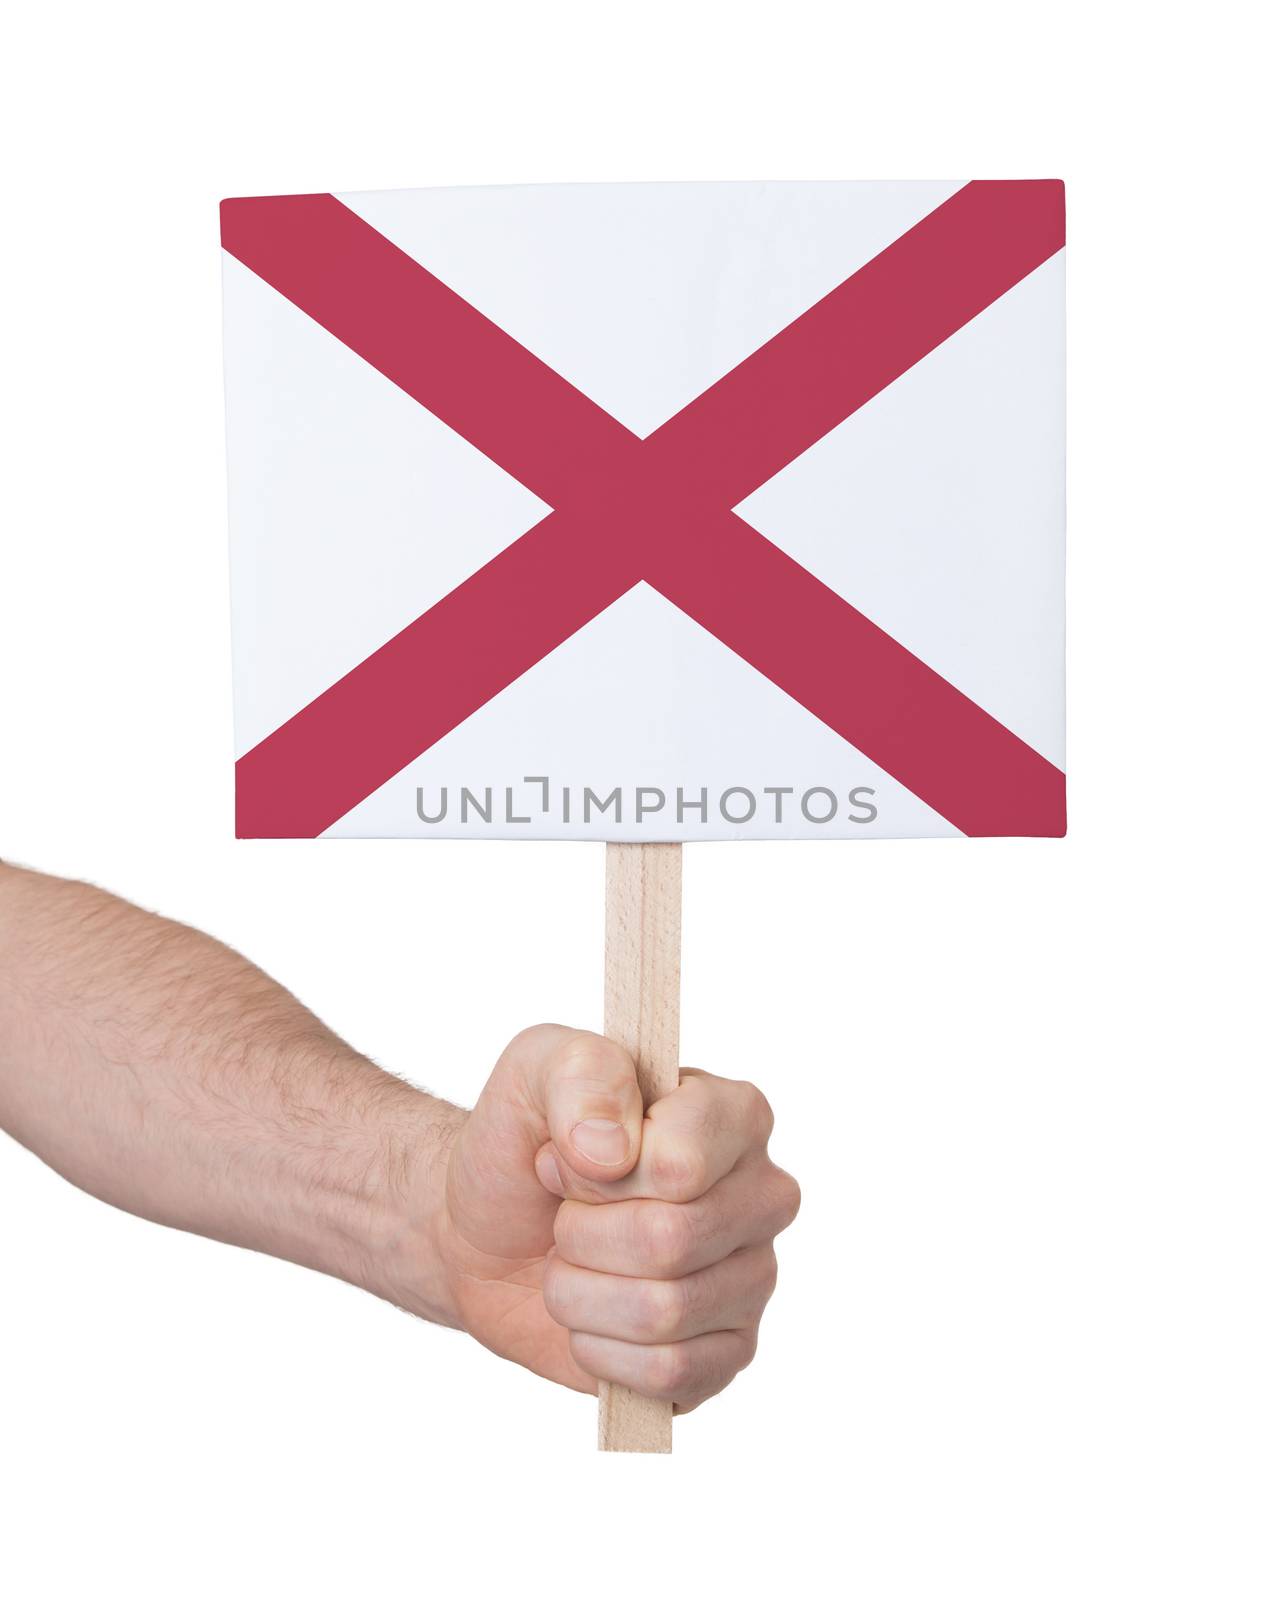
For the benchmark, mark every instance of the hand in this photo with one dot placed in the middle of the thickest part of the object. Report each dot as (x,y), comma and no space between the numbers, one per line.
(586,1240)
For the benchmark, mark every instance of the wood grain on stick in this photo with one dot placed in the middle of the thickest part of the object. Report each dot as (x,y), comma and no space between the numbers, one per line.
(641,1012)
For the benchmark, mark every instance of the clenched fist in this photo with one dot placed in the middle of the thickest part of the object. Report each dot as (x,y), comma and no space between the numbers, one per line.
(587,1239)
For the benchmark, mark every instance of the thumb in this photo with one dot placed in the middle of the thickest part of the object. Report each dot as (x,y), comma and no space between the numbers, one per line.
(593,1109)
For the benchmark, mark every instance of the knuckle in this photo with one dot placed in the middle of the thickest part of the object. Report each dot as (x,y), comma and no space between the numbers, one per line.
(666,1238)
(664,1309)
(786,1199)
(668,1369)
(535,1038)
(680,1169)
(590,1059)
(758,1113)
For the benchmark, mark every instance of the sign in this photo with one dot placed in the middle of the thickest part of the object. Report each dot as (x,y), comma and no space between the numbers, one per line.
(648,512)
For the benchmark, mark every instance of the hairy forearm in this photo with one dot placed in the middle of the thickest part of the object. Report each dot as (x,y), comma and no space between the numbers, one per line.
(162,1072)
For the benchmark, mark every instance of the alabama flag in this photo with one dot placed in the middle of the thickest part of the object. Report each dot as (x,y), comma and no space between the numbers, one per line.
(648,511)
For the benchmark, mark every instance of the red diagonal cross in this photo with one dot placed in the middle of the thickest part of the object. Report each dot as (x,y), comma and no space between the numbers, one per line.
(654,509)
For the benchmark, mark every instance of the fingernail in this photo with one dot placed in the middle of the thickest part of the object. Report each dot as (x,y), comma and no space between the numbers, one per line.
(604,1143)
(547,1171)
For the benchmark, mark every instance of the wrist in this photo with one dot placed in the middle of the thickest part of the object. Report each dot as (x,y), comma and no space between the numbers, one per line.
(405,1260)
(359,1188)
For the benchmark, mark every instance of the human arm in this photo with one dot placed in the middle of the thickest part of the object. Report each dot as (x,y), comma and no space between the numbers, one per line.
(163,1073)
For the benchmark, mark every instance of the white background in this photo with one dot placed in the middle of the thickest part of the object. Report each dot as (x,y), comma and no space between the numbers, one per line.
(1028,1340)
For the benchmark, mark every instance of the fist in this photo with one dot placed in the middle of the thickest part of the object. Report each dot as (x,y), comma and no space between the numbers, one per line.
(588,1239)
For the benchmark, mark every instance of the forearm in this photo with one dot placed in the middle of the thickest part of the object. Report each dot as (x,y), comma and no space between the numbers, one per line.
(160,1071)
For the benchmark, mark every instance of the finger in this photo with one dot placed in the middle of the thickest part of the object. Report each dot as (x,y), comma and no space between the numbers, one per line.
(657,1239)
(691,1139)
(584,1090)
(730,1295)
(686,1372)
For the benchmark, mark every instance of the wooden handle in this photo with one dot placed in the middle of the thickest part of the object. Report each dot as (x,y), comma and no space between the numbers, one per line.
(641,1011)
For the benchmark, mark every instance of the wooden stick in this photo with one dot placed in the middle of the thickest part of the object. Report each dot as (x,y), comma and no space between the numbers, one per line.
(641,1011)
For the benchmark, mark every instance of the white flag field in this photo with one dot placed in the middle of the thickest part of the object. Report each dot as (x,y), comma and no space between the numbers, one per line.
(648,511)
